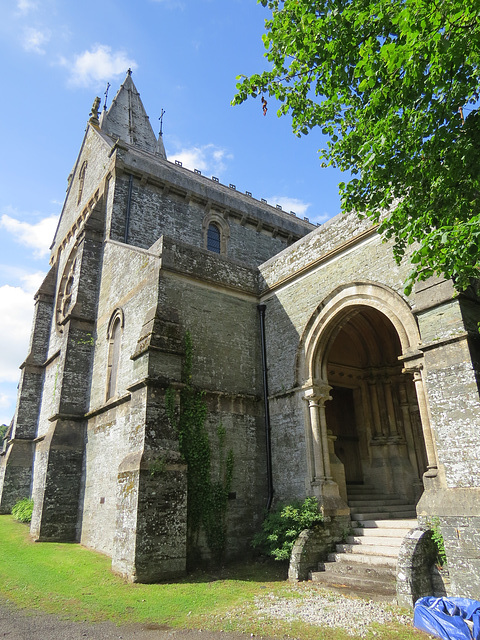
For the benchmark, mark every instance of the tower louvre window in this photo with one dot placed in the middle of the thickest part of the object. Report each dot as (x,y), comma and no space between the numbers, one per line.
(213,238)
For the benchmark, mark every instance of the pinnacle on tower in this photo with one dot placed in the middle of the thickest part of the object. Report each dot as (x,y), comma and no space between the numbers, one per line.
(94,112)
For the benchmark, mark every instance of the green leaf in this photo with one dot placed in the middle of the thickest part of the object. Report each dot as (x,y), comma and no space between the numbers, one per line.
(384,81)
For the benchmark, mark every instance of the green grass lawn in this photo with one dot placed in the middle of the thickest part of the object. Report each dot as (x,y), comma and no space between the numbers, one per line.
(76,583)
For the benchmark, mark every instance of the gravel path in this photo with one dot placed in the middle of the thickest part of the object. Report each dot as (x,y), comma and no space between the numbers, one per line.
(354,615)
(17,624)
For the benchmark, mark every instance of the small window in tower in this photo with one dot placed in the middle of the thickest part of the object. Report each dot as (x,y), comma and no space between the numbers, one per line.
(81,181)
(213,238)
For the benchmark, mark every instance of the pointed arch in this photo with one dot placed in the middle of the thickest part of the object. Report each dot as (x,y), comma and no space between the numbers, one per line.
(367,328)
(335,311)
(114,337)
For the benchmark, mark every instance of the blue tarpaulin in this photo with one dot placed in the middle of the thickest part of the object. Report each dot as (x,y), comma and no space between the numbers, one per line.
(448,618)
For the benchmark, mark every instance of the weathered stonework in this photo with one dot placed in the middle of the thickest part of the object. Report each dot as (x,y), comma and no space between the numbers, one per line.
(313,546)
(365,384)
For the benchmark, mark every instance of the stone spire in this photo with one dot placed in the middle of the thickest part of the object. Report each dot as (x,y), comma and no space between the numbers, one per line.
(126,119)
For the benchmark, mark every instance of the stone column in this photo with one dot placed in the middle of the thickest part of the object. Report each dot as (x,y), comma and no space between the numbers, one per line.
(432,465)
(415,454)
(367,409)
(324,487)
(316,396)
(337,467)
(392,423)
(377,426)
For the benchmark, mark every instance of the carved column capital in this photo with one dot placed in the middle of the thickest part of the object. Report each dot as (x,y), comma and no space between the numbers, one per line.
(317,394)
(413,368)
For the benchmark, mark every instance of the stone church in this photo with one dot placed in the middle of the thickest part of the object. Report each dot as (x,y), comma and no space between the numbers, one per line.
(326,378)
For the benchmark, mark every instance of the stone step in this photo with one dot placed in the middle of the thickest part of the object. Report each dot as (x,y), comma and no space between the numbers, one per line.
(370,492)
(361,570)
(392,540)
(355,495)
(384,515)
(368,549)
(387,507)
(365,559)
(378,502)
(381,585)
(382,533)
(368,488)
(390,525)
(369,496)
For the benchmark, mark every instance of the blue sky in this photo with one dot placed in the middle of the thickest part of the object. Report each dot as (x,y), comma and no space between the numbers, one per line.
(58,55)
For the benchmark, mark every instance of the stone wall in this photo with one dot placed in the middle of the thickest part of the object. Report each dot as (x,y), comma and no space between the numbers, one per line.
(416,557)
(313,546)
(57,468)
(164,199)
(437,329)
(162,293)
(226,365)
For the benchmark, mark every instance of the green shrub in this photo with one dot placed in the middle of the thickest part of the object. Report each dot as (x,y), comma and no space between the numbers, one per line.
(282,527)
(22,511)
(438,541)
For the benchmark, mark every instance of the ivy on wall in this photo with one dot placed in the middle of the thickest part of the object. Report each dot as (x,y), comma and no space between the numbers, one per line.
(207,498)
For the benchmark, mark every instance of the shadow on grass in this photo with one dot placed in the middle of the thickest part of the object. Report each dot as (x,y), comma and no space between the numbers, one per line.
(253,570)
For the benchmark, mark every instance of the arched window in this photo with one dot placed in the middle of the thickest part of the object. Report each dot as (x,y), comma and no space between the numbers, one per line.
(216,232)
(114,335)
(81,181)
(213,238)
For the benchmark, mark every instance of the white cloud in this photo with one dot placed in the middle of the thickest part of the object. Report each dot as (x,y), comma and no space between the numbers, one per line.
(207,158)
(34,39)
(32,281)
(17,304)
(35,236)
(7,403)
(15,321)
(25,6)
(290,204)
(321,217)
(98,65)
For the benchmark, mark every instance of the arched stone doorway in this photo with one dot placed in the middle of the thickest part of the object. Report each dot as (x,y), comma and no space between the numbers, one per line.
(373,412)
(362,375)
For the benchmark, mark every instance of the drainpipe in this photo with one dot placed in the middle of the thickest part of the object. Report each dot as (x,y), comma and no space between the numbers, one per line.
(129,202)
(261,310)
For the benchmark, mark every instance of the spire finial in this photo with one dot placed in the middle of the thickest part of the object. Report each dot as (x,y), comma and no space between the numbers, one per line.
(94,112)
(129,72)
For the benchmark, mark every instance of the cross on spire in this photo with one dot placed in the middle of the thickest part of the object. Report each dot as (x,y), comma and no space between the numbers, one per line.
(160,133)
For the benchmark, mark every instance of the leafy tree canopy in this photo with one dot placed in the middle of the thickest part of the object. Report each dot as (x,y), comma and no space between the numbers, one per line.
(394,84)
